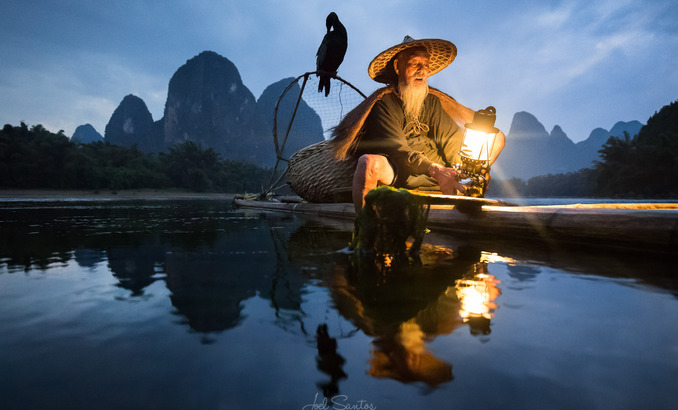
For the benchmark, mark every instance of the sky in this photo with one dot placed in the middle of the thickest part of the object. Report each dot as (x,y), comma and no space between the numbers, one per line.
(577,64)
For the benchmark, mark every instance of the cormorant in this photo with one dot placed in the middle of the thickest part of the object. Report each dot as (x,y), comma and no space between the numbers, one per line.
(331,52)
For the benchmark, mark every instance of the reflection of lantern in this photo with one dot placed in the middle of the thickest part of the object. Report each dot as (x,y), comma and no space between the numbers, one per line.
(475,297)
(476,294)
(476,150)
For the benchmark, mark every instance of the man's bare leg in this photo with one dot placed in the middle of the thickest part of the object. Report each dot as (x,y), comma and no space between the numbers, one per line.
(372,171)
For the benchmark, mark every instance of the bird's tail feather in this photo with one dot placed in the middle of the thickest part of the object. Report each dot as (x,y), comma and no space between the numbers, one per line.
(324,83)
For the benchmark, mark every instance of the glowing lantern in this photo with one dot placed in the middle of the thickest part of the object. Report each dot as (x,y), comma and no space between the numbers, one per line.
(476,150)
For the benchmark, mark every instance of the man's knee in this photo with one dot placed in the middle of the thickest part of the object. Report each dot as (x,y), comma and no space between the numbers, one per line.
(375,167)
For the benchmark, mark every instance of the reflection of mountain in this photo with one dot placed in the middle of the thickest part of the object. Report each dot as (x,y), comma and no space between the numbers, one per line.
(212,260)
(135,268)
(208,288)
(209,283)
(523,273)
(89,258)
(215,260)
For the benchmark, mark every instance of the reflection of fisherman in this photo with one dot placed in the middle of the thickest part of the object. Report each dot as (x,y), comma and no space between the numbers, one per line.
(403,356)
(406,134)
(403,315)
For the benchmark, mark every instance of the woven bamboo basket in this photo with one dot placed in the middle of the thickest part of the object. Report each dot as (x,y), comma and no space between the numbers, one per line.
(316,175)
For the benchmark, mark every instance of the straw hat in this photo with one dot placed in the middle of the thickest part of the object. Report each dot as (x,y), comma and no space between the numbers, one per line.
(442,53)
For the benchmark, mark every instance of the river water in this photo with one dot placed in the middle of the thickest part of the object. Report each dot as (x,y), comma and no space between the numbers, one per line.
(191,304)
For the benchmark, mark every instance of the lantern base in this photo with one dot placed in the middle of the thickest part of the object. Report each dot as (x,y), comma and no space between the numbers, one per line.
(474,176)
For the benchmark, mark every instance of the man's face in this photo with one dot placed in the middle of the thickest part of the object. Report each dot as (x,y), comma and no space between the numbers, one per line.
(412,67)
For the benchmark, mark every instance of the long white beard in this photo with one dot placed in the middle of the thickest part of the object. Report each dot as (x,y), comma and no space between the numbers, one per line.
(413,99)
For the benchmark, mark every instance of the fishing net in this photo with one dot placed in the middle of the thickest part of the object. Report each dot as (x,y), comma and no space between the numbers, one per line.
(302,111)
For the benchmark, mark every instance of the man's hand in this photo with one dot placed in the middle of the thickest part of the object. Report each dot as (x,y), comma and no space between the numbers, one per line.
(447,179)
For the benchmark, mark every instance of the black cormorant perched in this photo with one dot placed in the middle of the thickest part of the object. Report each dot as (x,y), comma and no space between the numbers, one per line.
(331,52)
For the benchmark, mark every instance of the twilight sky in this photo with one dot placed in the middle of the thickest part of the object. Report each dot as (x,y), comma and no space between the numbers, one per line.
(578,64)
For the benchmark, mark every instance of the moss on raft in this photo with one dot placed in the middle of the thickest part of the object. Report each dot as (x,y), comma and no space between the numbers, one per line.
(389,218)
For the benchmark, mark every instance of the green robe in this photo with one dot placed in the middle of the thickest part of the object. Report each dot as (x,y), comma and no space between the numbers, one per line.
(411,151)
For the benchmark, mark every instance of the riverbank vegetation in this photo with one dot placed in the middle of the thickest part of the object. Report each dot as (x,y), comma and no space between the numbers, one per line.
(644,166)
(35,158)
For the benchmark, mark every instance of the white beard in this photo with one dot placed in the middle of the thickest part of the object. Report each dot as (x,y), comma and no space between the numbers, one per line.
(413,99)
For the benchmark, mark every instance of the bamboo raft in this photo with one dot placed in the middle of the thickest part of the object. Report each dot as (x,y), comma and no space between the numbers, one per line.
(645,227)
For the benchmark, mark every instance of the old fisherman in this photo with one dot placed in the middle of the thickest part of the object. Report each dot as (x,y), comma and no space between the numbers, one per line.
(407,134)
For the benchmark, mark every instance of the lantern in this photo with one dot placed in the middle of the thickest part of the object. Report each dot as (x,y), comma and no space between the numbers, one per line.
(476,150)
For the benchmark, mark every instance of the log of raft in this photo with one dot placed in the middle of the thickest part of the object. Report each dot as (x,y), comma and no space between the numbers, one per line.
(649,227)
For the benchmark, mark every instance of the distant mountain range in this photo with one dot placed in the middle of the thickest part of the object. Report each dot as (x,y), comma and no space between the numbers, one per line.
(531,151)
(208,103)
(86,134)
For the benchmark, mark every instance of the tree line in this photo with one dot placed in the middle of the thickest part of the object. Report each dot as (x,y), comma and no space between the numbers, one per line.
(643,166)
(37,158)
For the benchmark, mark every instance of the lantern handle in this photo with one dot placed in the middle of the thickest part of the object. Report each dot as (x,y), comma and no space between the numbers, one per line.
(489,110)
